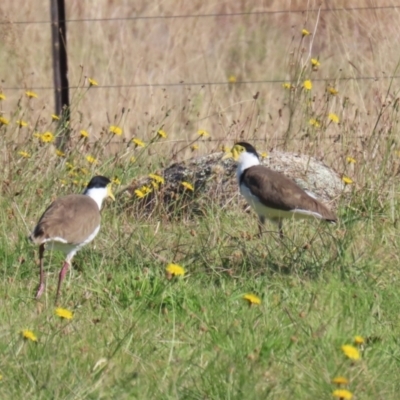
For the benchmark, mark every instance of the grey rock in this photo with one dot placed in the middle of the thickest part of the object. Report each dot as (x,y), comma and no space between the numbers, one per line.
(214,182)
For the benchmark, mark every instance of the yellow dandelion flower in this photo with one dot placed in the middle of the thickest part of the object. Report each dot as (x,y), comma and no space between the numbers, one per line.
(31,95)
(305,32)
(232,79)
(55,117)
(331,90)
(342,394)
(351,352)
(155,185)
(146,189)
(139,193)
(315,62)
(203,133)
(350,160)
(194,147)
(175,270)
(28,335)
(2,96)
(264,154)
(37,135)
(116,130)
(24,154)
(92,82)
(157,178)
(84,134)
(287,85)
(187,186)
(60,153)
(359,340)
(162,134)
(21,123)
(132,159)
(4,121)
(91,159)
(143,191)
(340,380)
(252,299)
(334,118)
(138,142)
(314,122)
(47,137)
(64,313)
(69,165)
(307,84)
(116,181)
(347,180)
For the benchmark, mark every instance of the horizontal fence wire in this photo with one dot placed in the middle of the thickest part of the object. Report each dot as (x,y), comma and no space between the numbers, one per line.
(221,83)
(212,15)
(190,142)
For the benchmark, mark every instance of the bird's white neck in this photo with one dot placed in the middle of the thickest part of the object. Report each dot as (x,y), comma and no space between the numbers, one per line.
(97,194)
(246,160)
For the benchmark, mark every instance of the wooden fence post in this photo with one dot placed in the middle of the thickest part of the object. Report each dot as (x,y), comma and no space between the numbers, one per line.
(60,70)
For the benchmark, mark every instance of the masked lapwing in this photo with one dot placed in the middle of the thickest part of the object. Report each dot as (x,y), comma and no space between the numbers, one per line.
(271,194)
(69,223)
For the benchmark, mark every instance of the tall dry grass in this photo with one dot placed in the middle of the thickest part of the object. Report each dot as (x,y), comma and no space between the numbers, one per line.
(159,52)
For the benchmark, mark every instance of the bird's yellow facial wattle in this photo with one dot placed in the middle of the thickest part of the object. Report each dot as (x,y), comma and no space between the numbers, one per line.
(110,193)
(236,151)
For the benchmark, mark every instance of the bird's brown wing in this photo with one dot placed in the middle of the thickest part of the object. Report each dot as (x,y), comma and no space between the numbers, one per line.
(275,190)
(72,218)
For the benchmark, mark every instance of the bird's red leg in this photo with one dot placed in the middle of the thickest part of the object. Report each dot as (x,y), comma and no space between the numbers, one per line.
(41,287)
(63,272)
(261,222)
(280,224)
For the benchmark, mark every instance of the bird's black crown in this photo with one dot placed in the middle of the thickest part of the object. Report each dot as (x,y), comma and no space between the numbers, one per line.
(98,182)
(249,148)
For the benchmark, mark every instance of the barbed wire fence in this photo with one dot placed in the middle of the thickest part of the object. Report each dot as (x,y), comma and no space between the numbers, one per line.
(59,23)
(212,15)
(62,20)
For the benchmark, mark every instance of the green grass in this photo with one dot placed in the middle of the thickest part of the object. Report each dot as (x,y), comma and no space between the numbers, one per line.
(136,334)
